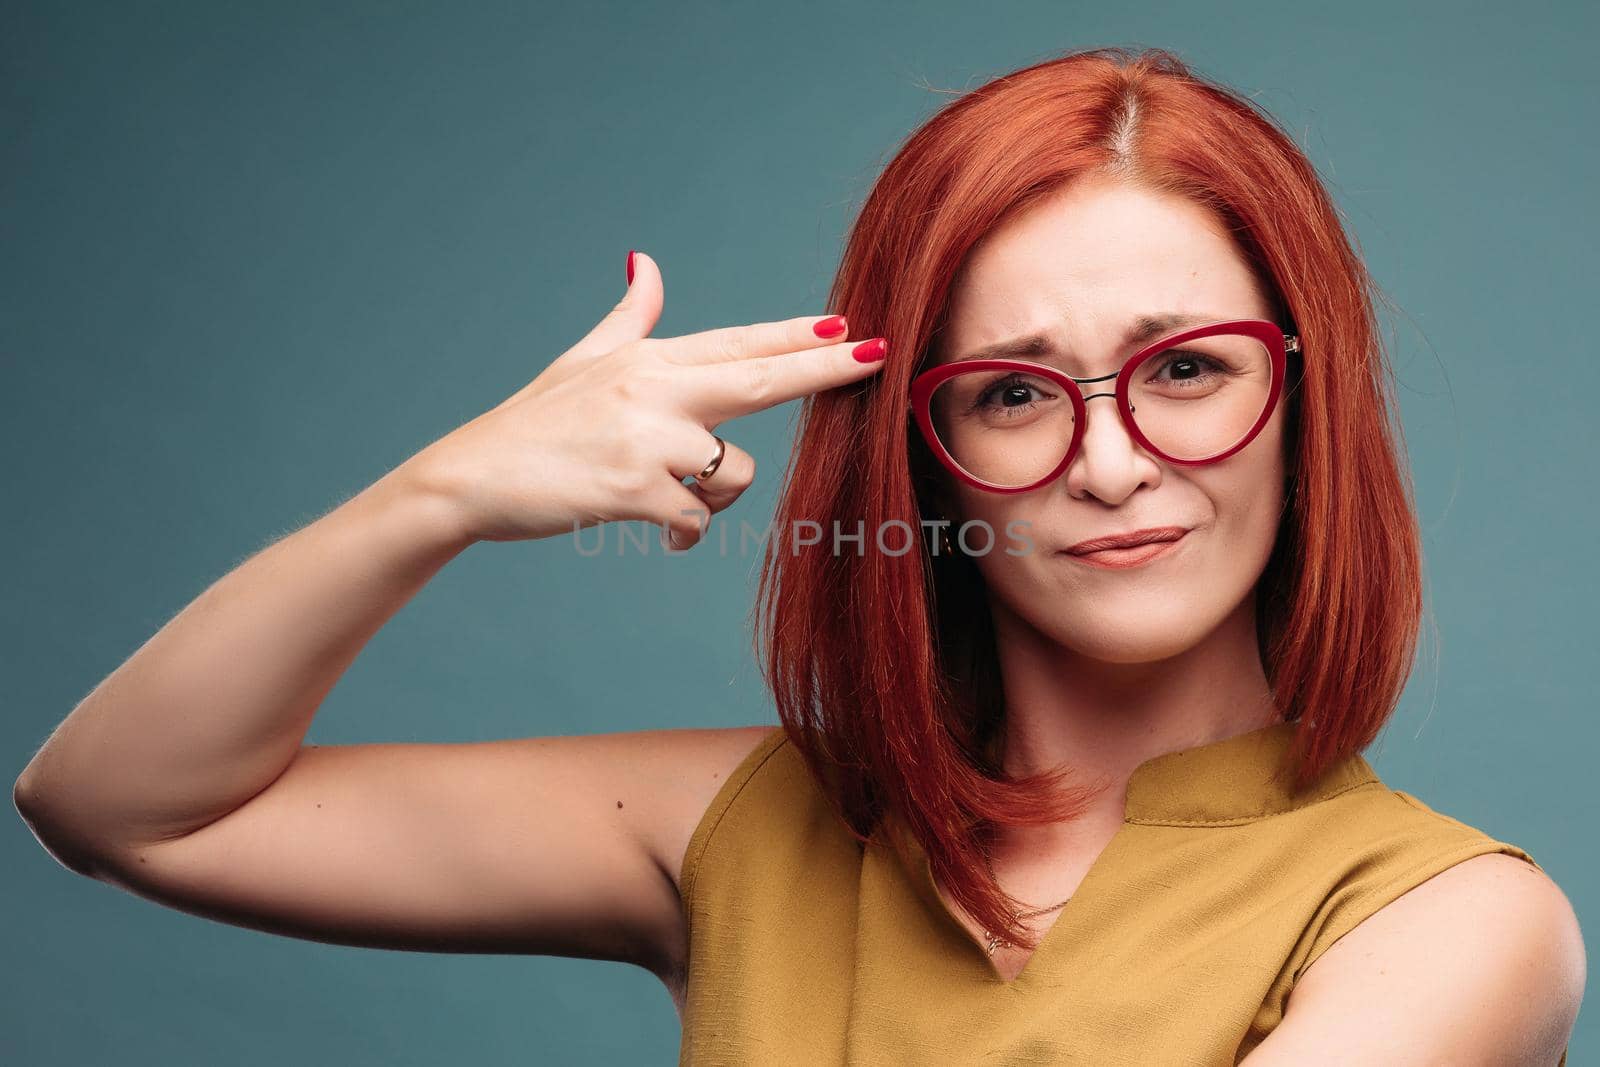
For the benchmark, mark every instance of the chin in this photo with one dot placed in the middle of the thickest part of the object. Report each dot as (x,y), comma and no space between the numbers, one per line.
(1111,644)
(1145,624)
(1135,628)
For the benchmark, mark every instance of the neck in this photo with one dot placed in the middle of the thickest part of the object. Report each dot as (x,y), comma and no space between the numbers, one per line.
(1106,718)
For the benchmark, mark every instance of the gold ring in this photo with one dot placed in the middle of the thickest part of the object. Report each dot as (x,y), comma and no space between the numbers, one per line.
(716,461)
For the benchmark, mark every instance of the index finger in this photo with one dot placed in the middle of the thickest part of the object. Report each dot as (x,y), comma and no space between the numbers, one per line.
(727,343)
(721,391)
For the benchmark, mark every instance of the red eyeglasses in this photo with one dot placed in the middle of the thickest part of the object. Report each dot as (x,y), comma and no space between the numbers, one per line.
(1192,397)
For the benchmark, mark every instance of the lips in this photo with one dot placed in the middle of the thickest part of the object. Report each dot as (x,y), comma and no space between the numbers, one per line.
(1128,540)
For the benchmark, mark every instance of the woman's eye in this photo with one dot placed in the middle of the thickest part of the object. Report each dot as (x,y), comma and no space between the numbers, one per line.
(1187,367)
(1009,393)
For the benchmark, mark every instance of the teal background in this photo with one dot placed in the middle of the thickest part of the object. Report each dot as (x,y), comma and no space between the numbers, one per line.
(256,255)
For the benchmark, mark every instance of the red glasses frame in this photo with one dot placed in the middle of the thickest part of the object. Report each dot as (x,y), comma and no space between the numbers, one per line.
(1270,334)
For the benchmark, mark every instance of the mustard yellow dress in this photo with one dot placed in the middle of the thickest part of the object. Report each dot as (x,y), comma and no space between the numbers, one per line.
(1180,945)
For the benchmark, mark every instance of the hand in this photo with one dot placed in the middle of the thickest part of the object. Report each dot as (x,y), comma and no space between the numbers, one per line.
(609,430)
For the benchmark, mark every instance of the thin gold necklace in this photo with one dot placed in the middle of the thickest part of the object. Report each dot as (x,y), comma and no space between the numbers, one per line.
(994,940)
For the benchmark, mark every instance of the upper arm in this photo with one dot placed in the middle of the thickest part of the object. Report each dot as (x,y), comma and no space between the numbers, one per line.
(1481,964)
(566,846)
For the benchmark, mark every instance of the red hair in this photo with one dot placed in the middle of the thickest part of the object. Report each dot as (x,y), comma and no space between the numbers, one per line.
(883,666)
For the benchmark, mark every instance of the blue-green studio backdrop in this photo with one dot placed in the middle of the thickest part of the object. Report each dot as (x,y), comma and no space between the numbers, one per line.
(255,255)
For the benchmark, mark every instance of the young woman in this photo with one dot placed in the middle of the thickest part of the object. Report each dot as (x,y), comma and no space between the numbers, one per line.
(1074,778)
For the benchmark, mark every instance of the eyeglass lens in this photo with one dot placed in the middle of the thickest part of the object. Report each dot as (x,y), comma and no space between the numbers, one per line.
(1193,401)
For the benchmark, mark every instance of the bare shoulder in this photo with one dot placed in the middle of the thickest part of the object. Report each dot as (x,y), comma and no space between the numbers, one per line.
(1508,908)
(1481,964)
(701,760)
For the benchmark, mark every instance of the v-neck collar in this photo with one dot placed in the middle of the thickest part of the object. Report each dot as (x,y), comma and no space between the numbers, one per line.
(1236,780)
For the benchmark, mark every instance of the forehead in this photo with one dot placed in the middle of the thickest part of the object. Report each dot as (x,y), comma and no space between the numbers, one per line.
(1090,259)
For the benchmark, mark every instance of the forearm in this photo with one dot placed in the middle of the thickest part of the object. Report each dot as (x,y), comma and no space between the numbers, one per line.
(214,706)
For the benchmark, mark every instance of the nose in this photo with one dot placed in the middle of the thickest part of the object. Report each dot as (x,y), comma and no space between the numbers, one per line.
(1110,464)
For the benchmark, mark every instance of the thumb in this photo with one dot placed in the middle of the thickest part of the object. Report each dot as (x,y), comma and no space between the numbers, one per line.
(632,319)
(634,316)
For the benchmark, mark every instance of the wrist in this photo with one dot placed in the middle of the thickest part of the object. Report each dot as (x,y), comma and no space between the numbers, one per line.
(424,507)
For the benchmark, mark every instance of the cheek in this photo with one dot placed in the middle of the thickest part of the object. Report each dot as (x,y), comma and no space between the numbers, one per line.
(1248,519)
(985,512)
(1247,488)
(1262,491)
(1247,497)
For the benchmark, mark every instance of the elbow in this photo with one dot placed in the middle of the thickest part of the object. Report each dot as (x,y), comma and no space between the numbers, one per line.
(28,798)
(25,797)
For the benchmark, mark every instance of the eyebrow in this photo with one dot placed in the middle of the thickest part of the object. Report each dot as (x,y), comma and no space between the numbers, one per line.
(1035,345)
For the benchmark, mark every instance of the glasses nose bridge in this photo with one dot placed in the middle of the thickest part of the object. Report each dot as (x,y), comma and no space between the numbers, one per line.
(1078,452)
(1080,382)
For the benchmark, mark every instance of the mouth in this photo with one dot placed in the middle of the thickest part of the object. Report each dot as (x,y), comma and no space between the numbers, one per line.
(1127,550)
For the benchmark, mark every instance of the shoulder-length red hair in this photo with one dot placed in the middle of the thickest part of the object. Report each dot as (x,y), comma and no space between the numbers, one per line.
(882,665)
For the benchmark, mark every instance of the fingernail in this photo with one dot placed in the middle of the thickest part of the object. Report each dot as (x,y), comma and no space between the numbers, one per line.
(630,266)
(831,326)
(870,351)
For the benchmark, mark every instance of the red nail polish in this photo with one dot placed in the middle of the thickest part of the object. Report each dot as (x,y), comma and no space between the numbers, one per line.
(630,266)
(831,326)
(871,351)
